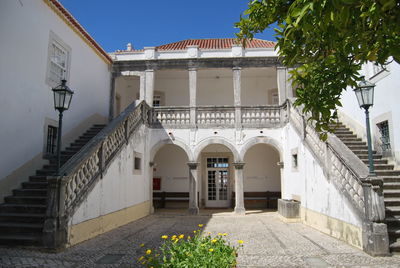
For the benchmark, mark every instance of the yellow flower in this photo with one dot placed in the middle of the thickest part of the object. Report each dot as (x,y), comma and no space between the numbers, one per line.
(220,234)
(240,241)
(200,225)
(211,250)
(214,241)
(173,237)
(144,262)
(189,237)
(209,233)
(141,245)
(164,237)
(141,258)
(181,236)
(148,252)
(194,231)
(151,266)
(157,255)
(224,234)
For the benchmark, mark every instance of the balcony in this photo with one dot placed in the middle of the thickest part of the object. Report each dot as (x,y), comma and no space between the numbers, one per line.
(266,116)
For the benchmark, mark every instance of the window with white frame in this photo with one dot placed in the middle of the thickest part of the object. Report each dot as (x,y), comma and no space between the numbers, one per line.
(58,60)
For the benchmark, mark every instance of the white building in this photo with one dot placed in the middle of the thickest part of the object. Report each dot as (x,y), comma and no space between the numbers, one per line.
(194,124)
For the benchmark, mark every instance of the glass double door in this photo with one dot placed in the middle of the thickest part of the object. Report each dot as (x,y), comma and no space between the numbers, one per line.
(217,182)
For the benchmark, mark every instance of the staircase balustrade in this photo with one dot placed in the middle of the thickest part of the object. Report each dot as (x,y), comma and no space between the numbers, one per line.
(79,174)
(344,168)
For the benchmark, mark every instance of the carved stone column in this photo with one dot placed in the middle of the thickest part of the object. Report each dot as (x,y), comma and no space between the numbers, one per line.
(151,171)
(281,77)
(192,95)
(239,192)
(237,89)
(149,87)
(193,202)
(112,97)
(142,92)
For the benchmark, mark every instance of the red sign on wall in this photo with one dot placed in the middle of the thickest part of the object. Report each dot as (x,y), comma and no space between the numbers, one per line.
(156,184)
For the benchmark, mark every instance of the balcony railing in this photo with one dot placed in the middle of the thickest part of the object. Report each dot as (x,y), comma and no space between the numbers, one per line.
(219,116)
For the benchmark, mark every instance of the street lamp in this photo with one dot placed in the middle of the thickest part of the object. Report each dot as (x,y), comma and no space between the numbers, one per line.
(365,96)
(62,100)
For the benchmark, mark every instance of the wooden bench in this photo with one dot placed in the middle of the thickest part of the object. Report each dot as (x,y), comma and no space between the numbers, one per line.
(161,199)
(267,199)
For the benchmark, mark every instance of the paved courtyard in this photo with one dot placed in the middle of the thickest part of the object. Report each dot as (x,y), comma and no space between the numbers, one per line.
(268,243)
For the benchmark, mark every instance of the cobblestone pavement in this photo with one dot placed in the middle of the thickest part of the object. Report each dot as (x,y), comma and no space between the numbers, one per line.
(268,243)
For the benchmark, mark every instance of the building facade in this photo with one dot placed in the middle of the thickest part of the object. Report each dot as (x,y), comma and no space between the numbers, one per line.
(199,123)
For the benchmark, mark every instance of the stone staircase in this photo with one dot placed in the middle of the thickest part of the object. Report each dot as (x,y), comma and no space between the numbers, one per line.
(391,181)
(22,214)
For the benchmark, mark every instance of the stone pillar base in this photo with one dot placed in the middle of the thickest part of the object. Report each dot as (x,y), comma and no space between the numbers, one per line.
(193,211)
(289,208)
(240,211)
(376,239)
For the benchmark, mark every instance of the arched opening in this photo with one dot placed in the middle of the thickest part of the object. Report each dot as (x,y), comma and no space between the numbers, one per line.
(262,177)
(170,177)
(216,176)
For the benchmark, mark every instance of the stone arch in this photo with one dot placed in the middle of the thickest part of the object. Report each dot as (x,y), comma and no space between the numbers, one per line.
(261,140)
(176,142)
(216,140)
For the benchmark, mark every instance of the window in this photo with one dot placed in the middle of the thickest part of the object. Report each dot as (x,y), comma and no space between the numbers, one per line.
(385,137)
(58,61)
(51,141)
(156,101)
(138,162)
(294,161)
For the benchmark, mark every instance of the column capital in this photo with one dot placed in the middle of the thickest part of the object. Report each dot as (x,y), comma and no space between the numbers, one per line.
(192,165)
(238,165)
(151,164)
(192,68)
(149,70)
(237,68)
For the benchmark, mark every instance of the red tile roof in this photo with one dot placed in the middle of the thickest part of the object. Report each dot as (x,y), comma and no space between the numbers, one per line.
(217,43)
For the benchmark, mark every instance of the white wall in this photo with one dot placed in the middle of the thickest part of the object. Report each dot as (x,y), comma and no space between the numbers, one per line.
(175,86)
(171,166)
(310,185)
(127,88)
(261,172)
(257,84)
(385,106)
(121,186)
(26,100)
(215,87)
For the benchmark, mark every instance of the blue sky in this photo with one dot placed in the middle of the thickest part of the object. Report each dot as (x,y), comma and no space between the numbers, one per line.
(114,23)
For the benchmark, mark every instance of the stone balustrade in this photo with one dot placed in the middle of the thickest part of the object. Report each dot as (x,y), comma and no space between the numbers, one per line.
(219,116)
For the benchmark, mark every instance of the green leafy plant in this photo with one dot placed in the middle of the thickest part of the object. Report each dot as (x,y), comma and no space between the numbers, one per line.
(192,251)
(326,42)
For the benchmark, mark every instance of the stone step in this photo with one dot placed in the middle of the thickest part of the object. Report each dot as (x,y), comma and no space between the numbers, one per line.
(392,201)
(387,172)
(355,143)
(376,161)
(38,200)
(374,156)
(23,208)
(20,227)
(394,233)
(46,172)
(21,239)
(22,217)
(391,185)
(362,152)
(383,167)
(354,139)
(358,147)
(391,193)
(30,192)
(343,132)
(38,178)
(391,179)
(34,185)
(347,136)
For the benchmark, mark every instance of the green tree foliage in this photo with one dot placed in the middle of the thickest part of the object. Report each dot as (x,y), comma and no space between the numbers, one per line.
(326,42)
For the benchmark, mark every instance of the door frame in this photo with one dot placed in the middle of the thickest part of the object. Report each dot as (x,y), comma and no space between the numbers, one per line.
(204,176)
